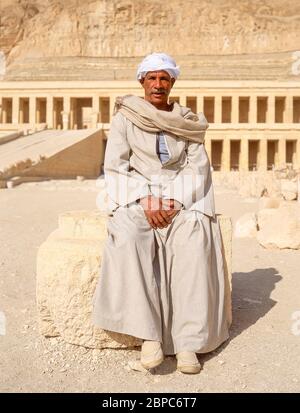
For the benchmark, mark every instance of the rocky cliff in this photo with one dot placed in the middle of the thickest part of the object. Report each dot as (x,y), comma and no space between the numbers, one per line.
(47,29)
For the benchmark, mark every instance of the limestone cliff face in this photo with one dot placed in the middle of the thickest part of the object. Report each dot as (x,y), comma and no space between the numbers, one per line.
(124,28)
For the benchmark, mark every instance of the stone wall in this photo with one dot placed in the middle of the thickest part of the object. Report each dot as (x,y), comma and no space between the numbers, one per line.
(124,28)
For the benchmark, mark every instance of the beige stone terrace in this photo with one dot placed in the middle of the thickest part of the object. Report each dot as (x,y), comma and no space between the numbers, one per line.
(253,124)
(249,66)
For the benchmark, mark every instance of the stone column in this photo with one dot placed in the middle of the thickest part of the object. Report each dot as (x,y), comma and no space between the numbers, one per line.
(200,103)
(3,111)
(297,154)
(15,110)
(21,113)
(235,109)
(38,113)
(271,109)
(65,119)
(288,113)
(253,109)
(67,103)
(96,103)
(72,114)
(49,112)
(66,112)
(112,99)
(226,155)
(182,100)
(95,110)
(244,154)
(276,158)
(282,152)
(218,109)
(32,111)
(263,148)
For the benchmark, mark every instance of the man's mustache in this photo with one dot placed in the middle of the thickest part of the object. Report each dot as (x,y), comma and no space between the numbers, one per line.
(163,91)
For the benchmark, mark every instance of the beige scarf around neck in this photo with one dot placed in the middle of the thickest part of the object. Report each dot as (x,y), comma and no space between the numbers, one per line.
(181,121)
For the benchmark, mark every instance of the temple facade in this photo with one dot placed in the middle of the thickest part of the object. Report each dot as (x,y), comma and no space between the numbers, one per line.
(253,125)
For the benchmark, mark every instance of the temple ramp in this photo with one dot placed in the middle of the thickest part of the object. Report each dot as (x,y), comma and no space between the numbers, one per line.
(53,154)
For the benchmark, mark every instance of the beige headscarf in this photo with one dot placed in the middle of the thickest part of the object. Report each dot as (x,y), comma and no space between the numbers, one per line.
(181,121)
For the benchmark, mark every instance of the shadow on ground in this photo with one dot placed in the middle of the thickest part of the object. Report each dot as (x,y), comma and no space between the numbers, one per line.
(251,301)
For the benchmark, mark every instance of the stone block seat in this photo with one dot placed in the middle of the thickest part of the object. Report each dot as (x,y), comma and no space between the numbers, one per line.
(68,264)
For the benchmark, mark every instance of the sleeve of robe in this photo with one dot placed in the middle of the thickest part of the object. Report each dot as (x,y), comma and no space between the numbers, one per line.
(192,186)
(122,185)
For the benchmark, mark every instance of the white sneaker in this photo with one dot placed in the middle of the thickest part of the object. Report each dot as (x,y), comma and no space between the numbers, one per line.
(187,362)
(151,354)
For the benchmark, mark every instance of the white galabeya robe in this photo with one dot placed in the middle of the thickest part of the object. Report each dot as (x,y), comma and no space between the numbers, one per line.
(164,284)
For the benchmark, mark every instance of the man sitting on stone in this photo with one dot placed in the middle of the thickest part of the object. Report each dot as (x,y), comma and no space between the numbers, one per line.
(162,275)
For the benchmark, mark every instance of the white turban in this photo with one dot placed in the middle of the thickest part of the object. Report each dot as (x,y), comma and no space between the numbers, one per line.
(158,61)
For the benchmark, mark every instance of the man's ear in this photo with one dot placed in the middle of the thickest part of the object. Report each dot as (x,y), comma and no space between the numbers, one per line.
(142,81)
(173,80)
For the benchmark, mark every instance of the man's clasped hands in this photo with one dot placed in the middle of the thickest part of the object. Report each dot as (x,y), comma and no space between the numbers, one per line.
(158,211)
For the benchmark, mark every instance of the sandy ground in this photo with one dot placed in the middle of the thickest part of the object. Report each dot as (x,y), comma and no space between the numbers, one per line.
(262,355)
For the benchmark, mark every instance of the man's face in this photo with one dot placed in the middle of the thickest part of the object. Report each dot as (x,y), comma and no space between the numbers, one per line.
(157,86)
